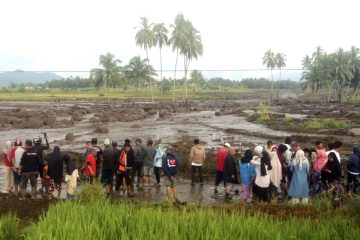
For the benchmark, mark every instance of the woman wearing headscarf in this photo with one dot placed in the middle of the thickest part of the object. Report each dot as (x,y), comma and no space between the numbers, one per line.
(299,183)
(331,172)
(55,171)
(72,175)
(247,172)
(7,168)
(276,175)
(261,160)
(318,164)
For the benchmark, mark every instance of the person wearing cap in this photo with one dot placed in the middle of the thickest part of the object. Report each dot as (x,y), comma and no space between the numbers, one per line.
(107,165)
(7,168)
(40,148)
(139,156)
(261,160)
(221,155)
(29,166)
(16,155)
(170,165)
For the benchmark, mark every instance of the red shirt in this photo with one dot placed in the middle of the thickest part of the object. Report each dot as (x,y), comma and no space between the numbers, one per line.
(221,155)
(7,162)
(90,161)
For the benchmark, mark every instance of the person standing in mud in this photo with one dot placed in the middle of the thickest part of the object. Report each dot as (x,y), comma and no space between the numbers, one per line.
(353,171)
(262,163)
(123,169)
(158,161)
(170,165)
(247,173)
(40,148)
(318,165)
(229,172)
(7,168)
(221,155)
(16,156)
(72,175)
(55,172)
(90,166)
(148,167)
(299,187)
(139,155)
(107,165)
(197,159)
(29,166)
(99,155)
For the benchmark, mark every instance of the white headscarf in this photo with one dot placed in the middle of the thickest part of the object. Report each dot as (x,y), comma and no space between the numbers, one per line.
(7,149)
(300,158)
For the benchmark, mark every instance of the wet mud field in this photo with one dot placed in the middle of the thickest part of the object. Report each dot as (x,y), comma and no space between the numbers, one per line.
(71,124)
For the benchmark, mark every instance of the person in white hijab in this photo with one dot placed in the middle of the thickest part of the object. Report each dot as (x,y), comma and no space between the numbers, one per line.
(276,175)
(299,188)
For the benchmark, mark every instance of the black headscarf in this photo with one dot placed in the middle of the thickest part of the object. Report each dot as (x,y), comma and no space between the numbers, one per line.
(56,166)
(265,161)
(70,164)
(247,157)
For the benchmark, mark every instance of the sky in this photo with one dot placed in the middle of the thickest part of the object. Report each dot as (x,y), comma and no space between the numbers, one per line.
(69,35)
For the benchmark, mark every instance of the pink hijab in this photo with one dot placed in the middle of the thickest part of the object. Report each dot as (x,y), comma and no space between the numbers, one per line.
(320,161)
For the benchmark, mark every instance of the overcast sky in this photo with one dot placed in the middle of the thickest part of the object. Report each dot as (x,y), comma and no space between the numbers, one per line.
(71,34)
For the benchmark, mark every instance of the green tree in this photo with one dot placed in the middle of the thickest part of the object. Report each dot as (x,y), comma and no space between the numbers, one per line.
(306,62)
(196,78)
(110,73)
(269,61)
(138,72)
(161,40)
(191,48)
(355,61)
(176,40)
(145,38)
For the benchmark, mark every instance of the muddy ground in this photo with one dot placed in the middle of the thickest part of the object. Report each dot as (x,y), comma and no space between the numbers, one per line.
(70,124)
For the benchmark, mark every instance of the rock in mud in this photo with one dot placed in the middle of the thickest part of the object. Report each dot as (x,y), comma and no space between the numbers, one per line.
(50,114)
(33,123)
(101,130)
(77,116)
(50,121)
(136,126)
(69,137)
(164,114)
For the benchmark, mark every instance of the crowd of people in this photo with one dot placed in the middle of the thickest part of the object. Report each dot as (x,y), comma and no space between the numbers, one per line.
(268,173)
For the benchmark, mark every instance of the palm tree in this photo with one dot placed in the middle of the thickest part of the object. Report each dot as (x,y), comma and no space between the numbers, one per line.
(191,48)
(145,38)
(280,60)
(176,40)
(270,62)
(355,61)
(161,39)
(110,73)
(196,78)
(306,62)
(138,72)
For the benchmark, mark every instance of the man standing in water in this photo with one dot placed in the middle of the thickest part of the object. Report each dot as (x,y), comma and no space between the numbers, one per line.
(139,155)
(29,166)
(229,172)
(40,148)
(107,165)
(197,159)
(170,165)
(221,155)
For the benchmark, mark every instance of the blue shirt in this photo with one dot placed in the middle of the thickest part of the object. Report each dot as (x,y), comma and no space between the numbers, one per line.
(247,170)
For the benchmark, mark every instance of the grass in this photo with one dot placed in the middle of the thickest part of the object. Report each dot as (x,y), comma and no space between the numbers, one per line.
(105,220)
(115,94)
(9,227)
(326,124)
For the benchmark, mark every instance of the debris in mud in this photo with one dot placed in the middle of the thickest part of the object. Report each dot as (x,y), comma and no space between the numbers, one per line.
(69,137)
(101,130)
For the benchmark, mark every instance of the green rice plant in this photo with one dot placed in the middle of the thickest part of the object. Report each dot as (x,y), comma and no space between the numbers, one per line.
(9,227)
(289,120)
(326,124)
(264,110)
(92,191)
(100,219)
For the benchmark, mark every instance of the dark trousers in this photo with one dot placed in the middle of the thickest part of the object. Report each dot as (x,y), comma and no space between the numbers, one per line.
(261,193)
(157,174)
(136,171)
(25,177)
(219,178)
(89,179)
(193,172)
(119,179)
(352,182)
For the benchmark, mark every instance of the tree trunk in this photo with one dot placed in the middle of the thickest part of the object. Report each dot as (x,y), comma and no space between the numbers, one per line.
(347,90)
(356,90)
(151,89)
(161,79)
(278,88)
(177,55)
(272,82)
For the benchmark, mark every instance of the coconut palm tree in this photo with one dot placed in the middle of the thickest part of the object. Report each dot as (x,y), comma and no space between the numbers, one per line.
(306,62)
(110,73)
(138,72)
(196,78)
(191,49)
(343,71)
(280,60)
(176,40)
(270,61)
(145,38)
(161,39)
(355,61)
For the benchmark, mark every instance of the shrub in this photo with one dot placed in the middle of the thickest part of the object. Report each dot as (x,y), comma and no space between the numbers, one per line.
(9,227)
(92,191)
(326,124)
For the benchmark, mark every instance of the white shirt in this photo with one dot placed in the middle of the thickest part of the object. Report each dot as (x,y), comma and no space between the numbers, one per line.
(336,153)
(18,155)
(260,181)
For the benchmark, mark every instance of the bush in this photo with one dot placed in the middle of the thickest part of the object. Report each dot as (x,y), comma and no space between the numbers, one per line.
(9,227)
(91,192)
(326,124)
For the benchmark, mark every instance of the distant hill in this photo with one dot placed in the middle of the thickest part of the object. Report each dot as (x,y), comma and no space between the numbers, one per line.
(19,76)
